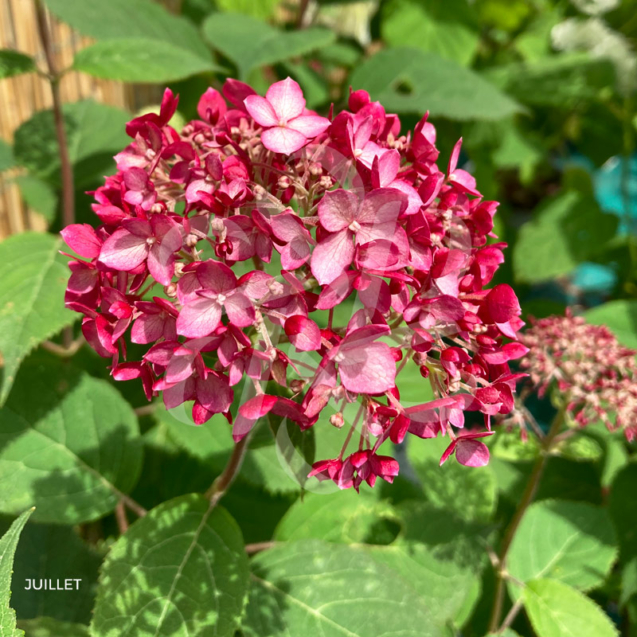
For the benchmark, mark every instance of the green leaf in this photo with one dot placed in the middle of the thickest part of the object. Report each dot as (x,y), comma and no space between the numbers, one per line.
(407,80)
(557,610)
(8,544)
(345,517)
(6,156)
(47,627)
(34,277)
(316,588)
(629,581)
(95,132)
(15,63)
(263,10)
(620,317)
(38,195)
(250,43)
(54,552)
(125,19)
(623,510)
(565,231)
(181,570)
(469,492)
(140,60)
(68,445)
(572,542)
(561,81)
(445,28)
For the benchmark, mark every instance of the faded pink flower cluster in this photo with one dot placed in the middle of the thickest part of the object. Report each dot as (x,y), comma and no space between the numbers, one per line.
(227,246)
(593,372)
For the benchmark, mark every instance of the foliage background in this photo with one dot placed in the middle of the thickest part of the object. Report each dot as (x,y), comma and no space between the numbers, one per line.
(543,94)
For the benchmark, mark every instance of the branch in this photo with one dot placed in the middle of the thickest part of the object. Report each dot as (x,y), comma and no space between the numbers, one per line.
(136,508)
(223,482)
(257,547)
(526,500)
(120,516)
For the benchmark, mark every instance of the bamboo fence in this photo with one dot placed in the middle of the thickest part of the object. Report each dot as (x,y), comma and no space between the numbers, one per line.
(22,96)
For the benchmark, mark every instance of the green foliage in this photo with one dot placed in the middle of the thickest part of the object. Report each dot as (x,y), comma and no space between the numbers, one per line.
(8,544)
(250,43)
(68,444)
(565,231)
(408,80)
(140,60)
(47,627)
(95,133)
(15,63)
(34,277)
(38,195)
(181,568)
(54,552)
(557,610)
(623,510)
(316,588)
(128,19)
(446,28)
(572,542)
(6,156)
(620,317)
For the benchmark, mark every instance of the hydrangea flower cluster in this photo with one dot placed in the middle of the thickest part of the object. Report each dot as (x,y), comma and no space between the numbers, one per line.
(590,368)
(227,246)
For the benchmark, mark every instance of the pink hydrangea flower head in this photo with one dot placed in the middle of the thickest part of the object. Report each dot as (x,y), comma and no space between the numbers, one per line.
(228,251)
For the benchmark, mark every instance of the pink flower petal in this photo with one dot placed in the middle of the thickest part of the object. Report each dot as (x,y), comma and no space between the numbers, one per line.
(453,160)
(123,250)
(338,209)
(239,309)
(331,256)
(199,318)
(502,303)
(368,370)
(82,238)
(261,111)
(303,333)
(472,453)
(258,406)
(286,98)
(309,125)
(147,329)
(161,263)
(216,276)
(284,140)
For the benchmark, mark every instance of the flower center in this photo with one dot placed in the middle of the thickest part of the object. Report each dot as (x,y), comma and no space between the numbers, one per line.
(354,226)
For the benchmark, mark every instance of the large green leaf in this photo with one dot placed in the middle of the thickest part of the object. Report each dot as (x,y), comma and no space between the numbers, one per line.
(469,492)
(54,552)
(68,444)
(47,627)
(445,28)
(8,544)
(557,610)
(15,63)
(557,81)
(408,80)
(623,510)
(118,19)
(620,317)
(95,132)
(565,231)
(344,516)
(573,542)
(181,570)
(316,588)
(140,60)
(34,277)
(250,43)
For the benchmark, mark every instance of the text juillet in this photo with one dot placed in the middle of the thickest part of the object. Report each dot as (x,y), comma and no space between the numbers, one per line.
(52,585)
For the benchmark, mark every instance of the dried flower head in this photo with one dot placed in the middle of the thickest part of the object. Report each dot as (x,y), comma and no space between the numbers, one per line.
(227,246)
(594,373)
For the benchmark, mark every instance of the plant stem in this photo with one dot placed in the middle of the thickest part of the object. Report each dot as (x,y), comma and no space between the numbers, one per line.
(66,168)
(136,508)
(527,498)
(223,482)
(257,547)
(120,516)
(300,19)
